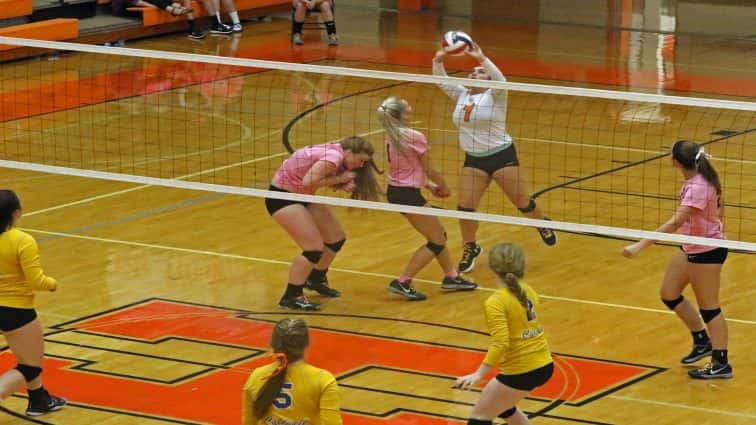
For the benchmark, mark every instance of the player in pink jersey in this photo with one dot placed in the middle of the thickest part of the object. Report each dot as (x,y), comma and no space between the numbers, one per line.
(409,164)
(699,214)
(346,165)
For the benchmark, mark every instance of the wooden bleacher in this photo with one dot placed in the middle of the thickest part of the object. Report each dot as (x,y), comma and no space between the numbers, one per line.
(152,16)
(51,29)
(15,8)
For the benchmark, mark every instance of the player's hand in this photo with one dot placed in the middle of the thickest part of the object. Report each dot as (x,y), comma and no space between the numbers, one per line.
(466,382)
(631,251)
(310,4)
(440,55)
(349,186)
(475,52)
(345,177)
(442,192)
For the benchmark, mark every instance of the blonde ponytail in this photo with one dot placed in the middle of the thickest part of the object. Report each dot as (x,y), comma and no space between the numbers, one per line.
(389,114)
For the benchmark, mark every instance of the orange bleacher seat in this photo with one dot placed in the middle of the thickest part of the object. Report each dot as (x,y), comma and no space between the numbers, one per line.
(15,8)
(153,16)
(51,29)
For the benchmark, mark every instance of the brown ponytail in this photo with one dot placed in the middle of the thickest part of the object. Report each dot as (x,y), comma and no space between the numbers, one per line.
(508,262)
(692,157)
(289,341)
(367,187)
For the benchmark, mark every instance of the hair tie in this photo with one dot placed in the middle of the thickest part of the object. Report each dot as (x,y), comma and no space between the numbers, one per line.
(702,153)
(283,361)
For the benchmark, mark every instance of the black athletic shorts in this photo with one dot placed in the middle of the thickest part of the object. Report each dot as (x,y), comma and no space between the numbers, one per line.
(715,256)
(274,205)
(12,318)
(405,196)
(493,163)
(528,381)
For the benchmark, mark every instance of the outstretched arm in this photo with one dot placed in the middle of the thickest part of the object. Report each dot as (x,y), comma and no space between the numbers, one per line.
(670,226)
(491,69)
(452,90)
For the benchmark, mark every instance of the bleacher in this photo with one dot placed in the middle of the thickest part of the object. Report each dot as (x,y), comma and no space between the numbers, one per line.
(92,20)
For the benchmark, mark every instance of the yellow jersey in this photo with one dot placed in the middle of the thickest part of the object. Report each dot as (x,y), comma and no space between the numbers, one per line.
(518,345)
(20,270)
(310,396)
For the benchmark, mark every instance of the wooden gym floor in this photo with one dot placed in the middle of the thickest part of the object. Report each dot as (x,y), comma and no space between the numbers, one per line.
(167,295)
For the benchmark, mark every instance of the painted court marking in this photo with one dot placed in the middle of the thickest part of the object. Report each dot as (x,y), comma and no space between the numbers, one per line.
(357,272)
(684,406)
(595,146)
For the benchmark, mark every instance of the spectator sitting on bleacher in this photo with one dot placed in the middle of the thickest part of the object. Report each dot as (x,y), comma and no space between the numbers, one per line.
(302,8)
(173,7)
(213,9)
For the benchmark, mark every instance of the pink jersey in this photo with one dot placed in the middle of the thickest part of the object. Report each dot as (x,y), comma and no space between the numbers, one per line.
(705,221)
(289,176)
(405,167)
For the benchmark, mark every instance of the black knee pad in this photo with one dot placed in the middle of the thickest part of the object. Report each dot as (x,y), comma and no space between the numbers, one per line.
(530,208)
(435,248)
(709,315)
(30,372)
(478,422)
(507,413)
(465,209)
(672,304)
(313,256)
(335,246)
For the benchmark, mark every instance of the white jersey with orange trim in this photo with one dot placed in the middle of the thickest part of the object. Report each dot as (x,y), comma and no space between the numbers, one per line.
(481,118)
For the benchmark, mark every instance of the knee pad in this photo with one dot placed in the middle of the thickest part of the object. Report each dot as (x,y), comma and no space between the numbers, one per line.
(435,248)
(465,209)
(507,413)
(672,304)
(709,315)
(530,208)
(313,256)
(335,246)
(30,372)
(478,422)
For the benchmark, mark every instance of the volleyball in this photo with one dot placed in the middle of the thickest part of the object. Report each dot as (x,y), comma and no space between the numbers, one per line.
(456,42)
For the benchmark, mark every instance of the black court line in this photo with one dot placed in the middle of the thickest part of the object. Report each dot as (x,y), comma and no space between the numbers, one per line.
(367,368)
(399,410)
(287,129)
(650,196)
(633,164)
(23,417)
(99,409)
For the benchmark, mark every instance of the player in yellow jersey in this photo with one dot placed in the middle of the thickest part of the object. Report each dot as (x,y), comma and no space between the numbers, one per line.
(518,344)
(20,275)
(290,391)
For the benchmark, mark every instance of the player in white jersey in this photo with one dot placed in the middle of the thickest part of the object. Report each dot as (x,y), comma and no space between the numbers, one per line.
(481,117)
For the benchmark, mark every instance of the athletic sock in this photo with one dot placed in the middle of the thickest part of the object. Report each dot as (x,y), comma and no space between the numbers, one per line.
(453,273)
(296,27)
(331,27)
(317,276)
(719,356)
(234,17)
(293,291)
(700,337)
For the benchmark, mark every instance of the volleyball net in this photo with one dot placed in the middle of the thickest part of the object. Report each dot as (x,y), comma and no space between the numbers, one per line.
(596,161)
